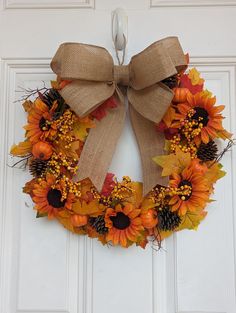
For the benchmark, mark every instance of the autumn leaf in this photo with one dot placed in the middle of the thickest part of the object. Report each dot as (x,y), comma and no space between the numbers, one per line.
(134,194)
(81,126)
(59,84)
(191,220)
(206,93)
(195,78)
(64,218)
(214,173)
(91,208)
(173,163)
(192,81)
(27,105)
(71,152)
(22,149)
(224,134)
(101,111)
(169,116)
(108,185)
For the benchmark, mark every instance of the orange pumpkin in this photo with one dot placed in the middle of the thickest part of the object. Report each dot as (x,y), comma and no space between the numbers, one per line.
(149,218)
(78,220)
(180,94)
(42,150)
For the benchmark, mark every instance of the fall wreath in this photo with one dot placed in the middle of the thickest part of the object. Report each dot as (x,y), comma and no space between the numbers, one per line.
(119,213)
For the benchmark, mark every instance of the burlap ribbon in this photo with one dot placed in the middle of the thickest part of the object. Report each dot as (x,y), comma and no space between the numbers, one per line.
(95,78)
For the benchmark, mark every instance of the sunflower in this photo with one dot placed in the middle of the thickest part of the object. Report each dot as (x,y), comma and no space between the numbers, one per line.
(189,190)
(48,197)
(124,224)
(40,122)
(201,109)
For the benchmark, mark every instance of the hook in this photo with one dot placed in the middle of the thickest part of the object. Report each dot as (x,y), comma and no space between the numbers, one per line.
(119,29)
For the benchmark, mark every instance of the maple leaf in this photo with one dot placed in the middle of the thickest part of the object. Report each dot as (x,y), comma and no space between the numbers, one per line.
(173,163)
(81,126)
(27,105)
(194,75)
(22,149)
(91,208)
(191,220)
(206,93)
(64,218)
(214,173)
(133,194)
(108,185)
(192,81)
(70,152)
(101,111)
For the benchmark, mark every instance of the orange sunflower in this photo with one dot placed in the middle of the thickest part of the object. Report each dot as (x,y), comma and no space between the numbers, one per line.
(124,225)
(203,110)
(40,122)
(189,190)
(47,196)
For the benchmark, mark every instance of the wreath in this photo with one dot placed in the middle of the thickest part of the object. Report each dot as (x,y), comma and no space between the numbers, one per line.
(119,213)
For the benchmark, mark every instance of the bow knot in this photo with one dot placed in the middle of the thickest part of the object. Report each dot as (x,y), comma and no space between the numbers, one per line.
(122,75)
(95,78)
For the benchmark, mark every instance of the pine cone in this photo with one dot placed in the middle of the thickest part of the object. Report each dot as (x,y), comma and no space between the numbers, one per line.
(171,82)
(168,220)
(99,224)
(207,152)
(37,167)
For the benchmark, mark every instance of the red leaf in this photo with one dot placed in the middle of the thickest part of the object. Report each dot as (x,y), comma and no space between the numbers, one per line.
(101,111)
(185,82)
(109,184)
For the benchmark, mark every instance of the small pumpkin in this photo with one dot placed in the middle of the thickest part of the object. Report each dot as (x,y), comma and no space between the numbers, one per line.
(149,218)
(78,220)
(42,150)
(180,94)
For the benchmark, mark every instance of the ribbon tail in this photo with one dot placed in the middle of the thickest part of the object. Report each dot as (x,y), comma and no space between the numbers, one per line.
(100,145)
(150,144)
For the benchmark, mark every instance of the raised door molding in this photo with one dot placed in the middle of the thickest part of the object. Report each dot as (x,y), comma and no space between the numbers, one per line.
(189,3)
(47,4)
(170,277)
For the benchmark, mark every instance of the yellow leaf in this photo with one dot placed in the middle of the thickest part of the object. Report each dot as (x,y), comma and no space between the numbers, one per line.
(214,173)
(27,105)
(70,152)
(194,75)
(55,84)
(22,149)
(206,93)
(81,127)
(84,208)
(173,163)
(191,220)
(169,116)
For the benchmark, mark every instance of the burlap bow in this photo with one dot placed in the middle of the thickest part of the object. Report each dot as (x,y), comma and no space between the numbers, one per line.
(95,78)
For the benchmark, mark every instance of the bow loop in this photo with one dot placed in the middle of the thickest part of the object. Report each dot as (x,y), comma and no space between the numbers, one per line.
(156,63)
(77,61)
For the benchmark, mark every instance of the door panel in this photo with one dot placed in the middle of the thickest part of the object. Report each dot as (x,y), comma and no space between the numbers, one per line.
(46,269)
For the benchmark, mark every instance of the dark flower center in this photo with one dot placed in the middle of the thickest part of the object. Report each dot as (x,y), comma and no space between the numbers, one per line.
(201,115)
(182,184)
(43,124)
(120,221)
(54,198)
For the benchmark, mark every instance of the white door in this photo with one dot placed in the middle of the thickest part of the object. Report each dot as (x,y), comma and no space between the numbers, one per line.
(44,268)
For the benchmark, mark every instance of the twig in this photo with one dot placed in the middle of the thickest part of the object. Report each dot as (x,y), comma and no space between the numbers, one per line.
(230,144)
(32,92)
(25,159)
